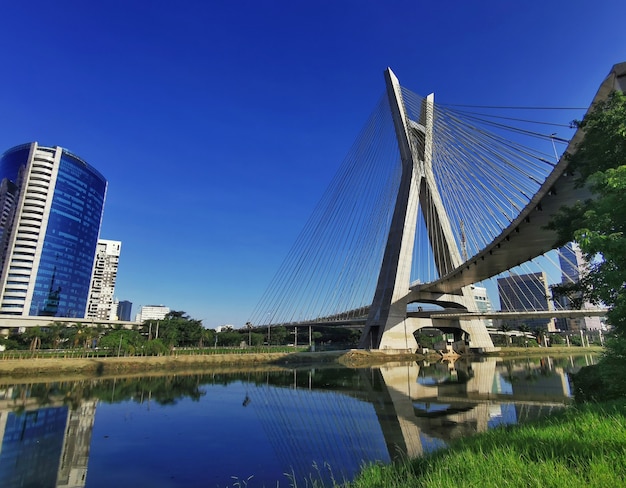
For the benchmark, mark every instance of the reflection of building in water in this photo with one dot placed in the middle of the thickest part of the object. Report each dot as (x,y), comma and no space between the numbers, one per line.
(32,439)
(75,455)
(44,446)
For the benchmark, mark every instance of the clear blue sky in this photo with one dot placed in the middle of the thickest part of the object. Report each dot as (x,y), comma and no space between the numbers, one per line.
(219,124)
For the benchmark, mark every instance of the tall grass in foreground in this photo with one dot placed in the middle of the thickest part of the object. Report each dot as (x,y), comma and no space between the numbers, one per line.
(584,446)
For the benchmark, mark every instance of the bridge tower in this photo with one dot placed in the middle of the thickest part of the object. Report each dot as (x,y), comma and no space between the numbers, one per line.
(388,326)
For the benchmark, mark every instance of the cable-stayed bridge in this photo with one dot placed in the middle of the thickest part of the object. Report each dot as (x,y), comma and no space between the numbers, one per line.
(430,200)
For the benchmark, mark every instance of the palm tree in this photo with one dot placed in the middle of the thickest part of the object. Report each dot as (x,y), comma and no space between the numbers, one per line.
(35,335)
(504,328)
(541,334)
(55,331)
(524,329)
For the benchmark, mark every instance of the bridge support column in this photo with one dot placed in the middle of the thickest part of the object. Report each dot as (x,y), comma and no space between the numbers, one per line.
(387,325)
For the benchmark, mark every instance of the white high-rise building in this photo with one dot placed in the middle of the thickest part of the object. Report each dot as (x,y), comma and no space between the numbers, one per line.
(103,281)
(51,204)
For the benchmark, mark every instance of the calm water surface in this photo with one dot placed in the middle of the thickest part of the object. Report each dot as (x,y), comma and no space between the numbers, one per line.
(261,429)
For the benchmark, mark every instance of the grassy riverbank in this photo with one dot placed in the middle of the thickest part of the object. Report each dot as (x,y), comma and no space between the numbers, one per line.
(585,446)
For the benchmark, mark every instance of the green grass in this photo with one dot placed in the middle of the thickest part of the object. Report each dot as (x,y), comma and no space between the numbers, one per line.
(583,447)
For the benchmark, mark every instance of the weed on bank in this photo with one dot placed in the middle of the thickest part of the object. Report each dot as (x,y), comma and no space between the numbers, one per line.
(585,446)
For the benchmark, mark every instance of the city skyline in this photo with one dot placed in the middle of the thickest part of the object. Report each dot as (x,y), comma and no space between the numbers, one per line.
(219,128)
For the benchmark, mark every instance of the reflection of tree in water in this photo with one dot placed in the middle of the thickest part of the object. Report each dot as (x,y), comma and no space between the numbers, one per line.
(170,389)
(443,372)
(529,369)
(164,390)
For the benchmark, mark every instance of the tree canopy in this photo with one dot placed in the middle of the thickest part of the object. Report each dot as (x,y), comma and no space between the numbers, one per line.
(598,224)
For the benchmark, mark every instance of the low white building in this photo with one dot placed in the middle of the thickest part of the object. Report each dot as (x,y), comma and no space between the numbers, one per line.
(152,312)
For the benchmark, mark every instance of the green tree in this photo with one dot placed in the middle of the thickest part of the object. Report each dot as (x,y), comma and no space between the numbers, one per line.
(207,338)
(155,347)
(126,342)
(278,335)
(34,335)
(541,333)
(556,339)
(177,329)
(231,338)
(53,335)
(504,328)
(257,339)
(598,225)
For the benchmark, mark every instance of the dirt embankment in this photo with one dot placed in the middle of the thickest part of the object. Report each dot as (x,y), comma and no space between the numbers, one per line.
(88,367)
(100,366)
(85,367)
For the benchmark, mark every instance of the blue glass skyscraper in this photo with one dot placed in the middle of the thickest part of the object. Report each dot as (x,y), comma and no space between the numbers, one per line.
(51,204)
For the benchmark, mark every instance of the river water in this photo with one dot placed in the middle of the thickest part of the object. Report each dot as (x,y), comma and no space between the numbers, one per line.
(260,428)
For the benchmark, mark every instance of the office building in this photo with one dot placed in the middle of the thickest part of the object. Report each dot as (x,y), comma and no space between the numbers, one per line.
(51,204)
(124,310)
(526,293)
(103,281)
(152,312)
(573,265)
(483,304)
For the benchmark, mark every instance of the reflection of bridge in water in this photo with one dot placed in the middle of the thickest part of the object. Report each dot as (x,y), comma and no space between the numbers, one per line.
(402,409)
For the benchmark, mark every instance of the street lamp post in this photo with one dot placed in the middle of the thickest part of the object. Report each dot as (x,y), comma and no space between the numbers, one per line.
(269,330)
(556,155)
(249,326)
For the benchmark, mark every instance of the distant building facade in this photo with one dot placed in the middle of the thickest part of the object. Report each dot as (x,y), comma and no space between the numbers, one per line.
(124,310)
(524,293)
(152,312)
(51,204)
(483,304)
(573,265)
(101,304)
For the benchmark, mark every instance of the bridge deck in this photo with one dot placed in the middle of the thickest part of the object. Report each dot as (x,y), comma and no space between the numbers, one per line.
(527,237)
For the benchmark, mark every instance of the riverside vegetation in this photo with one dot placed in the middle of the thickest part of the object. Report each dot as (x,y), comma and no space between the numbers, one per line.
(585,446)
